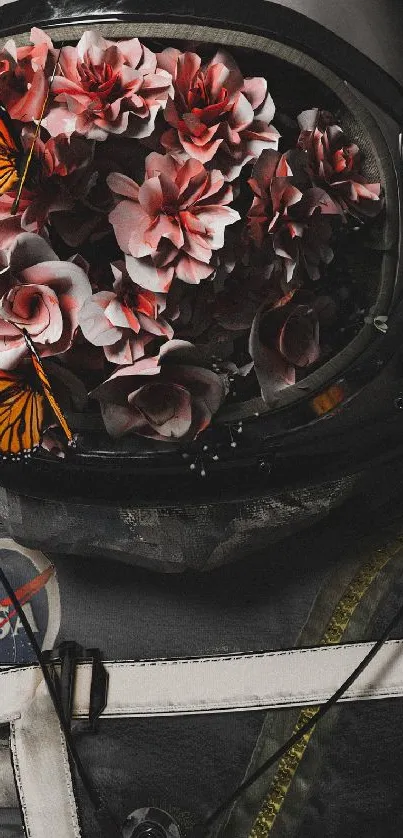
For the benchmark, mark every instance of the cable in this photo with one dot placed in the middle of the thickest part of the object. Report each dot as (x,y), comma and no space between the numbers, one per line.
(27,164)
(109,827)
(200,831)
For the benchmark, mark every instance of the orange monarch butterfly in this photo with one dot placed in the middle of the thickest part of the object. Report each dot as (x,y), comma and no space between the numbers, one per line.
(22,408)
(11,154)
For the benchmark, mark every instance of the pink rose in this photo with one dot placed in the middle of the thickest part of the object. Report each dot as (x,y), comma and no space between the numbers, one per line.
(285,337)
(125,320)
(176,219)
(107,88)
(44,296)
(24,73)
(216,114)
(335,164)
(165,397)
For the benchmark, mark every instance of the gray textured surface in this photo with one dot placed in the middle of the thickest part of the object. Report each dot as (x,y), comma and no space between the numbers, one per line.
(373,26)
(168,539)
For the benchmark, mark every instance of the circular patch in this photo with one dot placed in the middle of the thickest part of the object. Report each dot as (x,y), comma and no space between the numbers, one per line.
(33,578)
(150,822)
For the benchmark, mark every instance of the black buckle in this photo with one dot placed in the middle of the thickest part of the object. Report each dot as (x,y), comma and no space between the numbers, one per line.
(69,653)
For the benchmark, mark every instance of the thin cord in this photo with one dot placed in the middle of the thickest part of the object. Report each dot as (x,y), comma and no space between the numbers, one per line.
(200,831)
(109,827)
(15,205)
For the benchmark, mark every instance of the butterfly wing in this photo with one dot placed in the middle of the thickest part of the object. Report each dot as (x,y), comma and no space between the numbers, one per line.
(10,154)
(47,388)
(21,415)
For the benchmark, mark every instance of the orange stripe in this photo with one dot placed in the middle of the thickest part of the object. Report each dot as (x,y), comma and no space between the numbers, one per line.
(31,588)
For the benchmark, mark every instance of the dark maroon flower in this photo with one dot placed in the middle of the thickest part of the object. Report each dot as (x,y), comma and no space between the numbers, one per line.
(190,308)
(54,182)
(166,397)
(287,220)
(335,164)
(285,336)
(244,292)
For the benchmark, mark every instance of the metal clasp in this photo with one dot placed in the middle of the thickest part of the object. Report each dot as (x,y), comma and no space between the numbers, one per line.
(68,654)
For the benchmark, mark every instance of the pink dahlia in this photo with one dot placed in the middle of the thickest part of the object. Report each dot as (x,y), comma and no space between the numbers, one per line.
(173,223)
(288,220)
(107,88)
(44,295)
(216,115)
(24,73)
(166,397)
(125,320)
(335,164)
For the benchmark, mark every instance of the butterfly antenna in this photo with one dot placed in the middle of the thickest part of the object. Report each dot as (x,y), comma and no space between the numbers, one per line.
(23,177)
(29,343)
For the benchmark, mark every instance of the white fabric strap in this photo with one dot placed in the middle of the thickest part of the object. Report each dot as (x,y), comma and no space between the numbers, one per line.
(42,771)
(8,796)
(291,678)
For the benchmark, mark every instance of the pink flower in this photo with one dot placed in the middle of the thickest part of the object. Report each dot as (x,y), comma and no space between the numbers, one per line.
(107,88)
(52,185)
(24,75)
(335,164)
(124,320)
(44,296)
(288,220)
(165,397)
(172,224)
(285,337)
(216,114)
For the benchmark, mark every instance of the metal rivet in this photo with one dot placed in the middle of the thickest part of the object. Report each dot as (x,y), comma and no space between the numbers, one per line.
(150,823)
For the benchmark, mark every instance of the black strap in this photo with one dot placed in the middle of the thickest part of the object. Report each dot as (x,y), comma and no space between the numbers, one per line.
(106,821)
